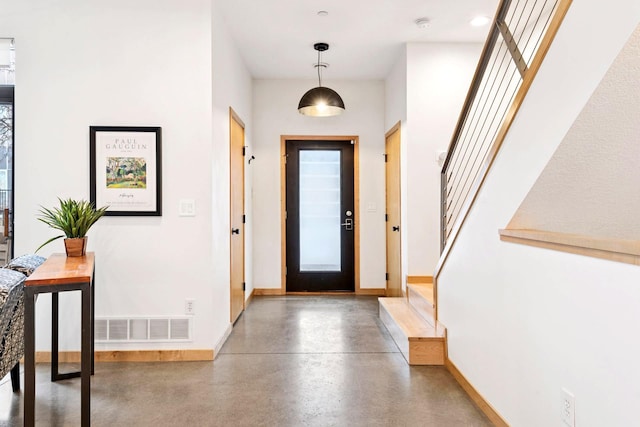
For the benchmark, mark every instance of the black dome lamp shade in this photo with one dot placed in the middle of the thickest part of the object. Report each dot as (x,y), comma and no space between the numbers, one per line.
(321,101)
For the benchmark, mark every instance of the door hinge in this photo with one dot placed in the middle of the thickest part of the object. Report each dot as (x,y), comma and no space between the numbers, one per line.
(244,286)
(386,217)
(385,158)
(244,151)
(386,276)
(244,219)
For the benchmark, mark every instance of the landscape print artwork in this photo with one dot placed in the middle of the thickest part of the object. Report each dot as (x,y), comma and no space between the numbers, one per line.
(125,163)
(126,172)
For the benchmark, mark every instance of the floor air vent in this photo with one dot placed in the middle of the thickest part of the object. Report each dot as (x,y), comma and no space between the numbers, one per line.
(143,329)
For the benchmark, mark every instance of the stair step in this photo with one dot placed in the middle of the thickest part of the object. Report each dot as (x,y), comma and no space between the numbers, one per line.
(419,342)
(422,300)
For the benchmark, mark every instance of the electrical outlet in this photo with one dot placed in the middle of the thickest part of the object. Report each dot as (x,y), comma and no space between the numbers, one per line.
(568,413)
(189,306)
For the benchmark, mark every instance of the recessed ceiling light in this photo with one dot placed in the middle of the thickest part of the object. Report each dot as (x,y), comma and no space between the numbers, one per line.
(480,21)
(322,13)
(422,22)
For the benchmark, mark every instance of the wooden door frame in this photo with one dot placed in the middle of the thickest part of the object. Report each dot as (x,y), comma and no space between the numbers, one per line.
(283,205)
(396,128)
(233,116)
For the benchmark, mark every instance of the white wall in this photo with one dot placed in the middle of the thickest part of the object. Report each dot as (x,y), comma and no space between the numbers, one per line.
(438,78)
(596,166)
(524,322)
(232,87)
(274,114)
(395,92)
(122,63)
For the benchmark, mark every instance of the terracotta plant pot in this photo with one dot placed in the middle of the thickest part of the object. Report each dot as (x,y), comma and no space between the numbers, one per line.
(76,246)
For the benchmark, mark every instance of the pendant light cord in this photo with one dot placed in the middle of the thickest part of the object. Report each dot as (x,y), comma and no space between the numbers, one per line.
(318,67)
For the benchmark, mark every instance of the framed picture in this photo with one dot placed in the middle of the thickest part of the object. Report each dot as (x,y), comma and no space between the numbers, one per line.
(125,165)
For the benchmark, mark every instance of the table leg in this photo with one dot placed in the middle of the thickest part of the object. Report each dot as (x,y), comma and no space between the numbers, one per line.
(85,390)
(29,360)
(54,336)
(93,321)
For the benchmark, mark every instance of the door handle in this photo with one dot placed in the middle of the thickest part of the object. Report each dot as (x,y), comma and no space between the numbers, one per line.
(395,228)
(235,231)
(348,224)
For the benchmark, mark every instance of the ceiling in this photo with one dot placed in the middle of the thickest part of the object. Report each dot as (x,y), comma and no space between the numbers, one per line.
(276,37)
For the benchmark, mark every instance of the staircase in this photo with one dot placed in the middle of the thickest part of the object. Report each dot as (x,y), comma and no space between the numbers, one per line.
(411,322)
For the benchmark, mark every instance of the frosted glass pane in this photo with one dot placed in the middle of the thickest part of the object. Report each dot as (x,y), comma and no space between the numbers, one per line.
(320,210)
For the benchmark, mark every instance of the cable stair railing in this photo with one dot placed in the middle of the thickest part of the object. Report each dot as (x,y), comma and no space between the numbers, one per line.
(521,34)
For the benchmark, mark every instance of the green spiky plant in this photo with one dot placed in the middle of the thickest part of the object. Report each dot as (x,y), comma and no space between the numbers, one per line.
(74,218)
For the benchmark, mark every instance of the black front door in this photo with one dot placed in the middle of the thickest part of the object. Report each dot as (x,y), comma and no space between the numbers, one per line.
(320,216)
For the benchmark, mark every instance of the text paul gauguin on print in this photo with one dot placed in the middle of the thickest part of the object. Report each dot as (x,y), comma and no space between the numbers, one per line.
(125,144)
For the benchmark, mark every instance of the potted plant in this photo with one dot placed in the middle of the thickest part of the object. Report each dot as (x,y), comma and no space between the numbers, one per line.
(73,218)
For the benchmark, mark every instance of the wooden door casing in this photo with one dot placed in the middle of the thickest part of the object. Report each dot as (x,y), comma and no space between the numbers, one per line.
(236,155)
(393,218)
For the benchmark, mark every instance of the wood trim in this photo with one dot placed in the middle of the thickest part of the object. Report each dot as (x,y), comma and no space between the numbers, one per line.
(395,127)
(268,292)
(388,172)
(236,117)
(477,398)
(283,210)
(315,294)
(283,203)
(356,213)
(131,356)
(419,279)
(379,292)
(233,116)
(627,251)
(554,26)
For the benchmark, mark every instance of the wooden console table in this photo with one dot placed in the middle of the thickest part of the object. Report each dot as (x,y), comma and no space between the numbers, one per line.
(60,273)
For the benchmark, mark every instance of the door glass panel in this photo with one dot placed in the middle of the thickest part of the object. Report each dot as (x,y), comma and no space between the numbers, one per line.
(320,210)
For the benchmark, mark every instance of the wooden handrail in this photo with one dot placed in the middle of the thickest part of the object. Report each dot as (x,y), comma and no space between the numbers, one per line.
(627,251)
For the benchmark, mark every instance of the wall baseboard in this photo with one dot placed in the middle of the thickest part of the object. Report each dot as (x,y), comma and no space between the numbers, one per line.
(419,279)
(131,356)
(276,291)
(477,398)
(376,292)
(267,292)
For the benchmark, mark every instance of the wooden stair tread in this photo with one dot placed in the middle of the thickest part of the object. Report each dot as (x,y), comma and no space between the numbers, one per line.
(412,324)
(425,290)
(418,341)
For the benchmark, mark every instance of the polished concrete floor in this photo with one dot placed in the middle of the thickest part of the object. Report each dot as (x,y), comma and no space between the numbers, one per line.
(290,361)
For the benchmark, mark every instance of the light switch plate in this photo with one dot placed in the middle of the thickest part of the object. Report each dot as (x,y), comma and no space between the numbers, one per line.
(187,207)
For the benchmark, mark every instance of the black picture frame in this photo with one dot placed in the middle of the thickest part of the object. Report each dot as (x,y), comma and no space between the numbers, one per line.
(126,169)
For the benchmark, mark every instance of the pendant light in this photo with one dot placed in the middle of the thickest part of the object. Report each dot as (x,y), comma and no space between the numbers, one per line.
(321,101)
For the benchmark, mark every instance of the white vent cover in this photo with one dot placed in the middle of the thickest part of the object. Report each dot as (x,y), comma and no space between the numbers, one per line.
(179,329)
(138,329)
